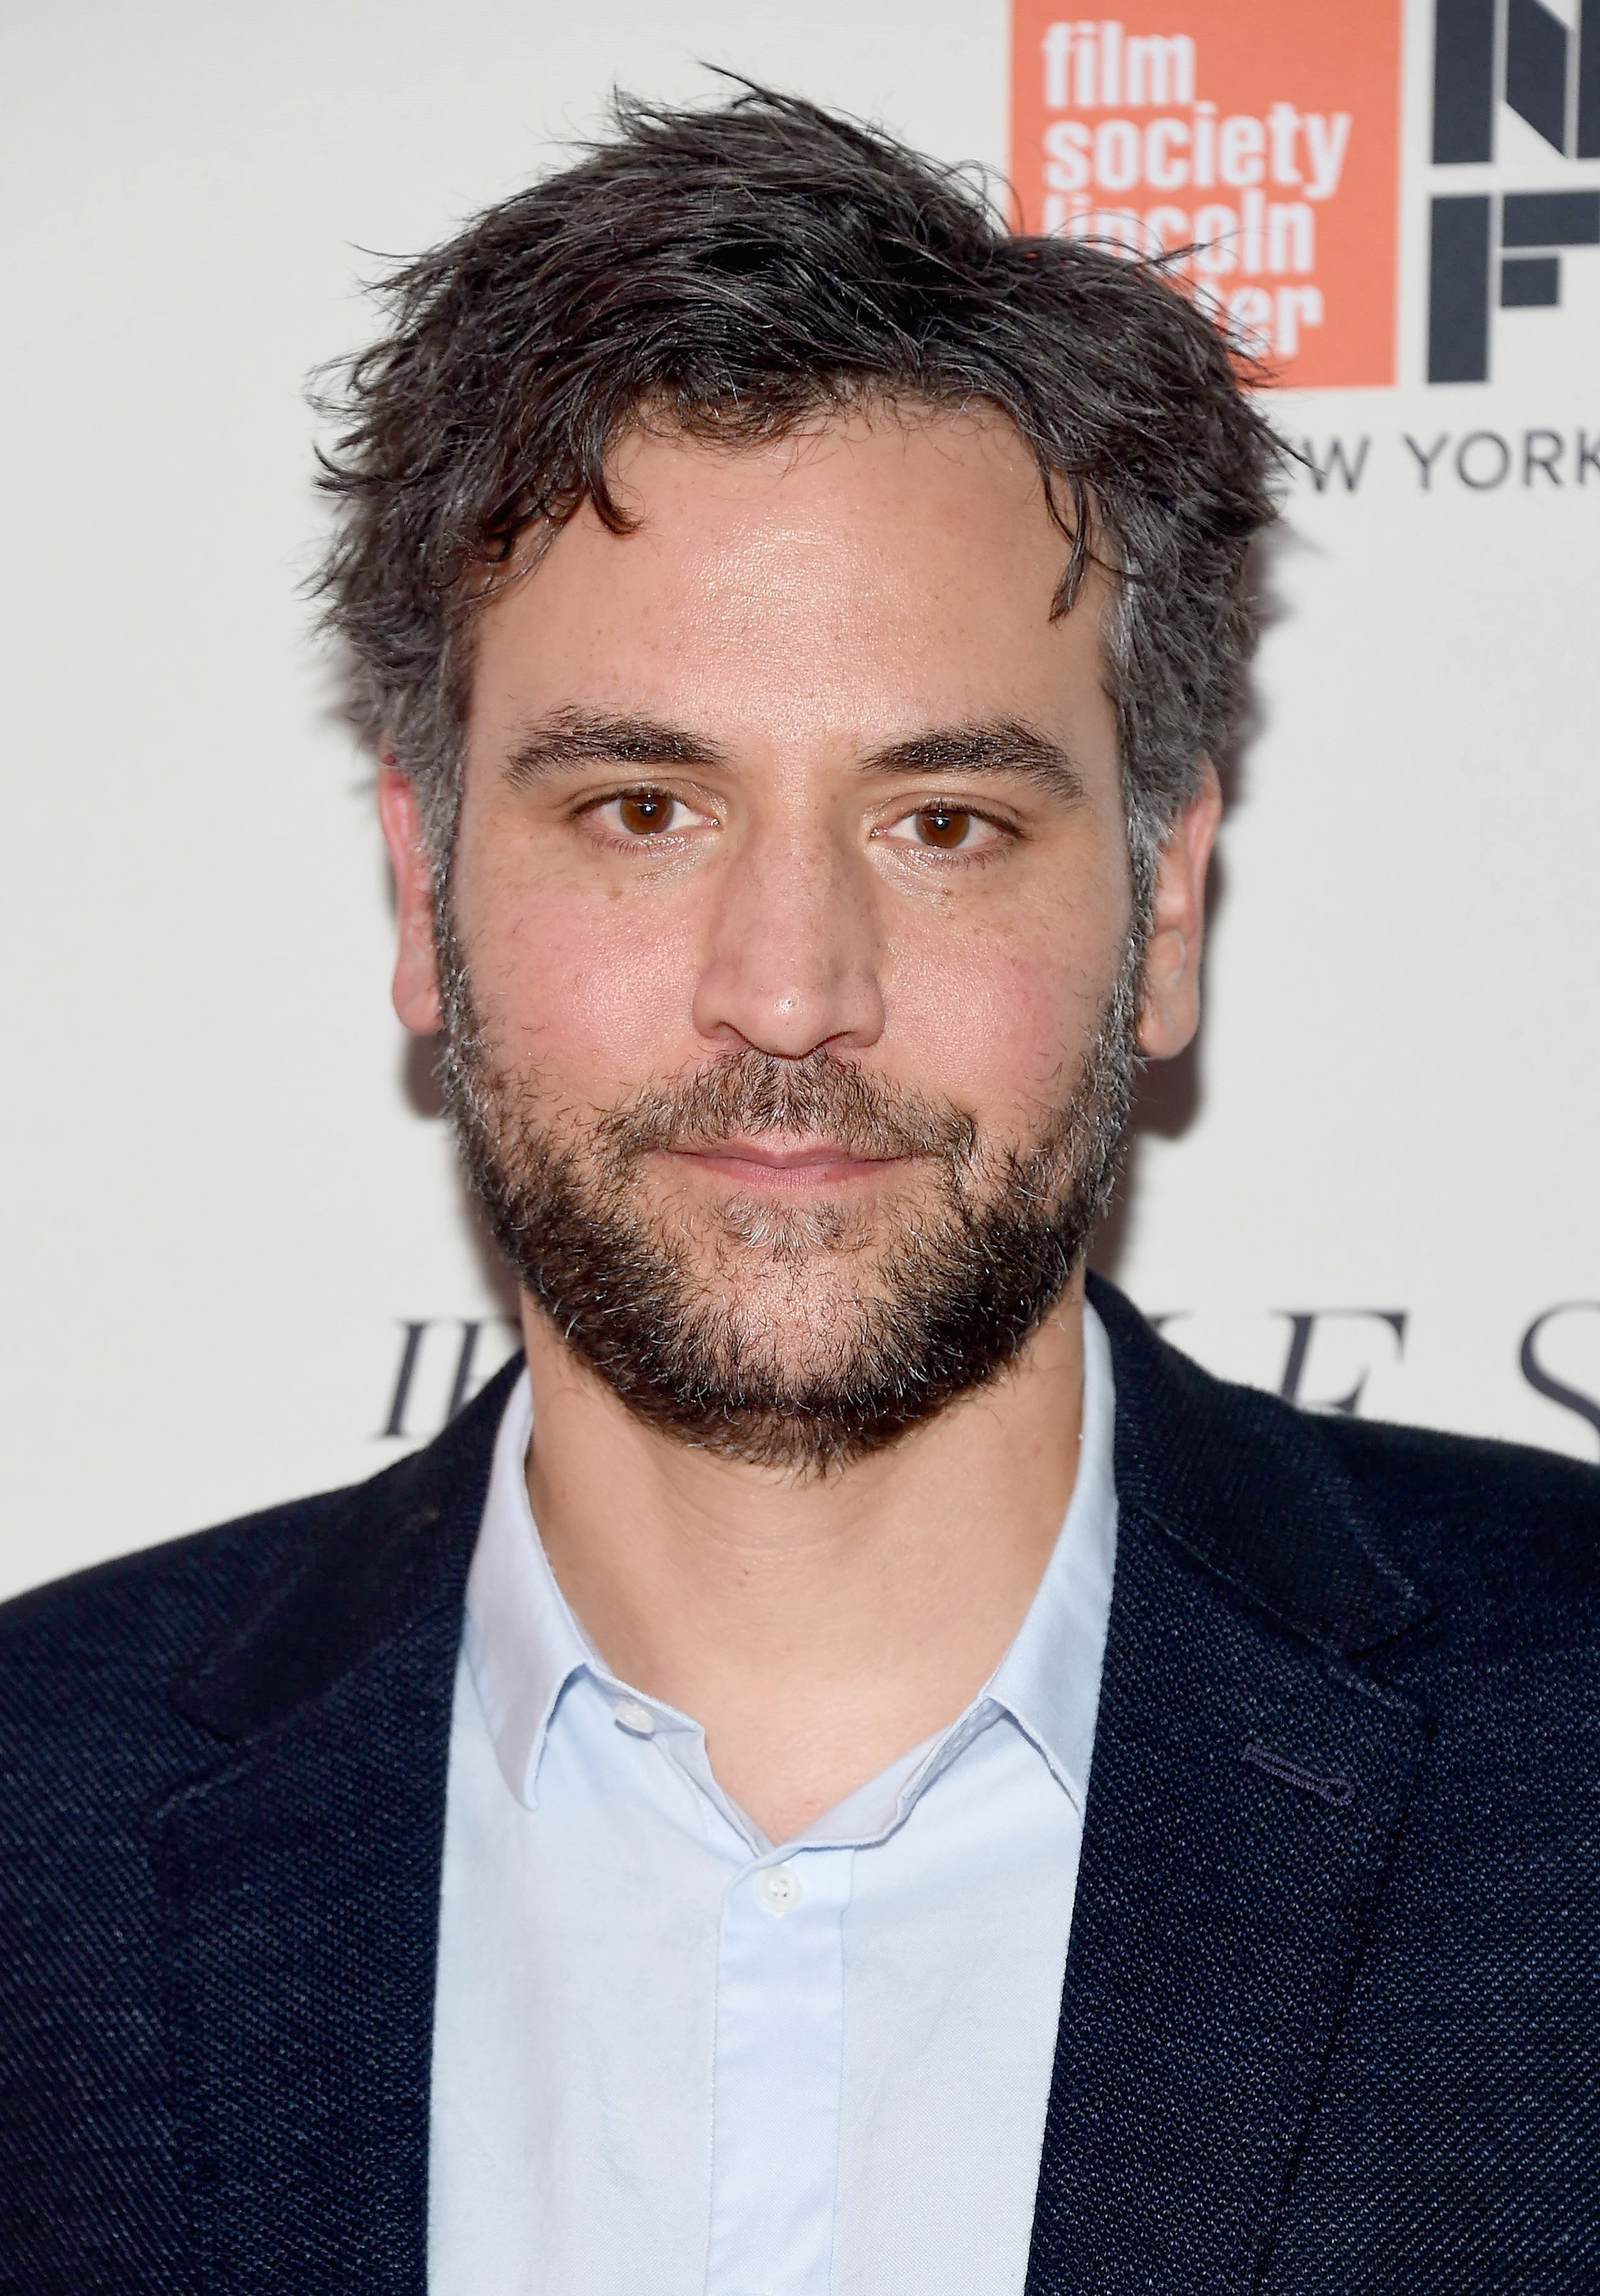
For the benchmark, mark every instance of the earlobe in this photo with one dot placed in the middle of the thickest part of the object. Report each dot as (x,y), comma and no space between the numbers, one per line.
(1169,1013)
(416,997)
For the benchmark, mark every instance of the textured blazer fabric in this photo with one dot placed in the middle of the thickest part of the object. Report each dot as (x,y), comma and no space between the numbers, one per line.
(1331,2021)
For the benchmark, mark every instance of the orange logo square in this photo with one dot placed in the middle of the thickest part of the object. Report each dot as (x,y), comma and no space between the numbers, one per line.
(1264,136)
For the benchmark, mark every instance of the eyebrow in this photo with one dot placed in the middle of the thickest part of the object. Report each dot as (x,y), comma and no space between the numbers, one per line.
(575,737)
(1006,746)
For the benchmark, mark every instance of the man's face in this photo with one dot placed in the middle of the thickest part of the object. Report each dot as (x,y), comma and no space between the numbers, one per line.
(792,965)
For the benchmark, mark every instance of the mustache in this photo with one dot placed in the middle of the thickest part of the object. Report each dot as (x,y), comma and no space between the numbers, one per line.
(748,1093)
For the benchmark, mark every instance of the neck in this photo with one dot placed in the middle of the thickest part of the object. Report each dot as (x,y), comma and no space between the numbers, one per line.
(817,1628)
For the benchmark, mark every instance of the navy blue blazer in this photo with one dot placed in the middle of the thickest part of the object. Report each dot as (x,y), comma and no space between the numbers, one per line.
(1332,2013)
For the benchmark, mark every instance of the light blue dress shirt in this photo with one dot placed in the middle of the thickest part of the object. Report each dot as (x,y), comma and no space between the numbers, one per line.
(672,2058)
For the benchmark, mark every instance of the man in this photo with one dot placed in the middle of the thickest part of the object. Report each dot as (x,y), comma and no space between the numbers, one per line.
(855,1768)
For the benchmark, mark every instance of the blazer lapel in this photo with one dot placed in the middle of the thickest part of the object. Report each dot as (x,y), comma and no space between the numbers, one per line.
(1246,1786)
(299,1889)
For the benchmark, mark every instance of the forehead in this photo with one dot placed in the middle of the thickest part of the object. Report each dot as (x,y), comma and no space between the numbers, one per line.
(872,569)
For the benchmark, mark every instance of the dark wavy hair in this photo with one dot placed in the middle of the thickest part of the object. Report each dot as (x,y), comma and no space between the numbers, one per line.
(739,271)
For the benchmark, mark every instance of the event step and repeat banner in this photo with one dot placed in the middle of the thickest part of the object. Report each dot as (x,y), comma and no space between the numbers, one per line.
(238,1266)
(1266,139)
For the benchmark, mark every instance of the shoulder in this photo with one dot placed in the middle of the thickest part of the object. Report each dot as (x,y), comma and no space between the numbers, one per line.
(103,1662)
(94,1650)
(92,1741)
(1470,1475)
(154,1606)
(87,1662)
(1353,1531)
(1504,1538)
(157,1606)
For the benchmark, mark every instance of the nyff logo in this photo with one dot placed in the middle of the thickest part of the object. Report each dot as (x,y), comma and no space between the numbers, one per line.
(1488,247)
(1263,138)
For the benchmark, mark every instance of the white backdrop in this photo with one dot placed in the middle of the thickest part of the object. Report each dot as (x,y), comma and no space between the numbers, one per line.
(226,1208)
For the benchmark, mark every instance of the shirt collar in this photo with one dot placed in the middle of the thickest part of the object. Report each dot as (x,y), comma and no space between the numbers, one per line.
(524,1645)
(521,1641)
(1049,1680)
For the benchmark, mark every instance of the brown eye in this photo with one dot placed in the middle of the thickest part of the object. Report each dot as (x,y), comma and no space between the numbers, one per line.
(940,825)
(646,813)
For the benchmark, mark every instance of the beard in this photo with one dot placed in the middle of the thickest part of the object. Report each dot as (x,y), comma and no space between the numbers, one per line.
(793,1338)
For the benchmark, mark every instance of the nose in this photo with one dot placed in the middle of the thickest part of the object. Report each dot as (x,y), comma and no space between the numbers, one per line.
(792,959)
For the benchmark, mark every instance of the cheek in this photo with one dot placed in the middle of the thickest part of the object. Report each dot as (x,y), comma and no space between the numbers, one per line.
(1000,1023)
(593,991)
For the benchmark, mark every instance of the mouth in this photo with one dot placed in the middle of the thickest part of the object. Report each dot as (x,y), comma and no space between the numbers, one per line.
(797,1168)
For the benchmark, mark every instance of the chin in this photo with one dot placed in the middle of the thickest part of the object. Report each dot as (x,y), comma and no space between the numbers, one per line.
(733,1233)
(797,1306)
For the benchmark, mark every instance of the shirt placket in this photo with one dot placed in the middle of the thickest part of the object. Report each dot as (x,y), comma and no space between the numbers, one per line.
(778,2076)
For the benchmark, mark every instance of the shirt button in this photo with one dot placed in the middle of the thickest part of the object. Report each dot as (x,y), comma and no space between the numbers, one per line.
(778,1889)
(632,1715)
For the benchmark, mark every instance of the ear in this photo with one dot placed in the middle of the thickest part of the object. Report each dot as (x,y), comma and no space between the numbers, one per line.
(1170,1012)
(417,966)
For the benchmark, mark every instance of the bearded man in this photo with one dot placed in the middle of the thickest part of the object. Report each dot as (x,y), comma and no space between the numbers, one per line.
(851,1768)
